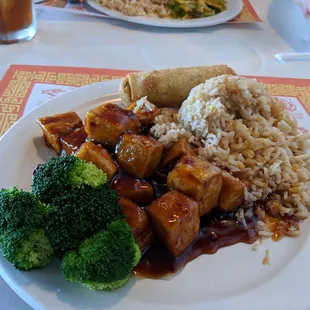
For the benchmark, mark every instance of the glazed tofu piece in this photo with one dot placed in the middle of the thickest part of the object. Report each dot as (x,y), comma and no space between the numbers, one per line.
(198,179)
(176,221)
(232,192)
(57,126)
(70,143)
(138,191)
(99,157)
(145,111)
(108,122)
(176,151)
(139,155)
(139,222)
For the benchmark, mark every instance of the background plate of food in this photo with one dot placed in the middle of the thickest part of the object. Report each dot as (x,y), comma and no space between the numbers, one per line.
(173,14)
(208,168)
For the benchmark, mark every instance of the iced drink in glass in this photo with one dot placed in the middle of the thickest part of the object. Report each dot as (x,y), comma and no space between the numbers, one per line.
(17,21)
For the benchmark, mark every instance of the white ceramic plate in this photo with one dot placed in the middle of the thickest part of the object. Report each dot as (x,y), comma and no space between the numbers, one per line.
(234,7)
(234,278)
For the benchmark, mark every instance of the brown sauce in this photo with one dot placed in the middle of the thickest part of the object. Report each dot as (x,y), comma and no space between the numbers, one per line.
(71,143)
(115,121)
(280,226)
(216,233)
(60,124)
(138,191)
(217,230)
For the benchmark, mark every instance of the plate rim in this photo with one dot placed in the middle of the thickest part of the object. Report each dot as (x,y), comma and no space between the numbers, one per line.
(109,89)
(214,20)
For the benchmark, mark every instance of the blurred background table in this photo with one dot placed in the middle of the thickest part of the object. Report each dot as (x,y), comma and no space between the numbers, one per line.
(66,39)
(74,40)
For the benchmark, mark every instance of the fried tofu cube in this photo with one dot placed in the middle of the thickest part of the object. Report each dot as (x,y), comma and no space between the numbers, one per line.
(232,192)
(139,155)
(176,151)
(139,221)
(198,179)
(99,157)
(57,126)
(146,111)
(138,191)
(108,122)
(176,221)
(70,143)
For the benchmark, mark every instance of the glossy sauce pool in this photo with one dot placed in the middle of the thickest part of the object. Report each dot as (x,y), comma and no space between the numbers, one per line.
(216,233)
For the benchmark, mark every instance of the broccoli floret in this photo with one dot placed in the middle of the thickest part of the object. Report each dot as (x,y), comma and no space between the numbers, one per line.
(80,214)
(105,261)
(22,237)
(98,286)
(63,173)
(19,209)
(27,248)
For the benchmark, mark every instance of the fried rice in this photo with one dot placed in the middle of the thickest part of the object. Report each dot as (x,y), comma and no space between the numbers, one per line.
(183,9)
(237,126)
(151,8)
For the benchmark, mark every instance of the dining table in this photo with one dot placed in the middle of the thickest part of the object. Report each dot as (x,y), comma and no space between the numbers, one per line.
(67,39)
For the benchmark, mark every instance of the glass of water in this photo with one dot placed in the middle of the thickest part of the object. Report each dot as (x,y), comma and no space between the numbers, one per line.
(17,21)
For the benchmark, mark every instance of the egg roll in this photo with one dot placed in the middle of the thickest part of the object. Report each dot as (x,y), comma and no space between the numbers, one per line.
(167,88)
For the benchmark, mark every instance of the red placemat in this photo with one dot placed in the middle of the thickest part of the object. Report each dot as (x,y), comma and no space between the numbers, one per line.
(24,87)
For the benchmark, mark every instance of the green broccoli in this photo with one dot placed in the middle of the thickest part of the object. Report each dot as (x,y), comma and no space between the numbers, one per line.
(63,173)
(27,248)
(22,237)
(194,8)
(19,209)
(105,261)
(80,214)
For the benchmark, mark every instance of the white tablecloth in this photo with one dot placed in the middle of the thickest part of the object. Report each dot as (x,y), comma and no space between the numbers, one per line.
(73,40)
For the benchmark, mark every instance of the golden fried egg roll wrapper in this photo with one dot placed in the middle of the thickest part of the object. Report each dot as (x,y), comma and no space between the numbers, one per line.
(168,87)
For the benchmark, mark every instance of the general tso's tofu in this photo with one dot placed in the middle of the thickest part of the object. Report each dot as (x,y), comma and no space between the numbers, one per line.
(70,143)
(176,220)
(232,192)
(139,155)
(139,222)
(99,157)
(138,191)
(145,111)
(198,179)
(108,122)
(57,126)
(176,151)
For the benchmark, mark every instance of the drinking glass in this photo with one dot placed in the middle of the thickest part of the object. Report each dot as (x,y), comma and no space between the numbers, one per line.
(17,21)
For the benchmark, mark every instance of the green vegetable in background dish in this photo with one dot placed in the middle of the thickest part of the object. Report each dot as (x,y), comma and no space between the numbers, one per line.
(105,261)
(81,213)
(18,209)
(58,175)
(27,248)
(196,8)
